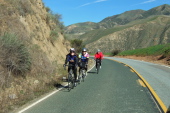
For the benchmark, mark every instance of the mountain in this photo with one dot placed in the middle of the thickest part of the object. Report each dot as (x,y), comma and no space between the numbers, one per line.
(143,33)
(134,25)
(80,28)
(121,19)
(160,10)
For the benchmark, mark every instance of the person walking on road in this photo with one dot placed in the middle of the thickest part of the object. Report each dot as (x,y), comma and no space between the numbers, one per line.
(99,56)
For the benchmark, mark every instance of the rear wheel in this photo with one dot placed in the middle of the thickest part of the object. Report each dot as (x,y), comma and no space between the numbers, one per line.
(80,77)
(83,75)
(98,68)
(69,82)
(72,81)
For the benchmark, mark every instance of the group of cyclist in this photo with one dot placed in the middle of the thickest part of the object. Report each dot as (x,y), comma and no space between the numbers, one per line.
(80,60)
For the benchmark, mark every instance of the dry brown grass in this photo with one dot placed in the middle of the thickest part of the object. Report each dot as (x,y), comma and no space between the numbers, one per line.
(17,17)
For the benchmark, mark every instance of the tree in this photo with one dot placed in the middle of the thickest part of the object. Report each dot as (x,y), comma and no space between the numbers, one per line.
(77,44)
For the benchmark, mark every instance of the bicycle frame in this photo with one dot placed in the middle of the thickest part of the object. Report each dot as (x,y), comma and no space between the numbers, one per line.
(70,78)
(98,65)
(82,74)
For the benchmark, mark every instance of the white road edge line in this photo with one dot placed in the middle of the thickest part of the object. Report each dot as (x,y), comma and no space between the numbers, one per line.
(155,102)
(148,62)
(44,97)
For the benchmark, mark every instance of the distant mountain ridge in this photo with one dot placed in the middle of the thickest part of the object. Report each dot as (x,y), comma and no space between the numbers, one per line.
(92,32)
(120,19)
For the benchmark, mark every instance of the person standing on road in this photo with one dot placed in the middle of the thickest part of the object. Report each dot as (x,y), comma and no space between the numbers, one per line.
(83,59)
(99,56)
(73,62)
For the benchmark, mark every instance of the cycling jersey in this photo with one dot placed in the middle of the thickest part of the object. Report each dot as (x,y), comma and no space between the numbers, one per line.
(84,58)
(98,55)
(71,59)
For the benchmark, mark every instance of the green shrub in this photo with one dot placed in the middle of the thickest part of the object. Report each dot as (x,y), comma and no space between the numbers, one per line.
(153,50)
(77,44)
(22,6)
(115,52)
(14,54)
(48,9)
(53,36)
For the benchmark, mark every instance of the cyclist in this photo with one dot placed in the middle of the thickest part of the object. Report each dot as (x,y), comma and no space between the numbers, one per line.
(73,61)
(98,55)
(83,59)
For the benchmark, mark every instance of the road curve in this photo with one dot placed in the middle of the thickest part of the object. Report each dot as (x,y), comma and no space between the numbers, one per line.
(116,89)
(158,76)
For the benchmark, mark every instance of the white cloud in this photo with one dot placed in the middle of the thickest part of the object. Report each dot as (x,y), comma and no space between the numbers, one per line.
(147,1)
(97,1)
(144,2)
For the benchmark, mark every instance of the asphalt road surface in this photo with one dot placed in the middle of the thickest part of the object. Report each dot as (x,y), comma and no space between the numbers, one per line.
(158,76)
(116,89)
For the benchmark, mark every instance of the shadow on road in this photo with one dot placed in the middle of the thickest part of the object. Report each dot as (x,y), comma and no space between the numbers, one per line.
(168,110)
(93,72)
(63,88)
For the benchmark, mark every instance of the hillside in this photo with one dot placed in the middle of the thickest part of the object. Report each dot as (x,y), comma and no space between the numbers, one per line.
(134,28)
(159,54)
(32,52)
(137,34)
(116,20)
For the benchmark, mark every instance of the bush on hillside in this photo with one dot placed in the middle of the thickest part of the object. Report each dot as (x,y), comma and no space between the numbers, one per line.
(48,9)
(115,52)
(77,44)
(54,20)
(14,55)
(23,6)
(53,36)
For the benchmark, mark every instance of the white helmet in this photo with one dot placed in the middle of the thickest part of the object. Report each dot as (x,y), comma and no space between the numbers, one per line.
(98,50)
(84,49)
(72,49)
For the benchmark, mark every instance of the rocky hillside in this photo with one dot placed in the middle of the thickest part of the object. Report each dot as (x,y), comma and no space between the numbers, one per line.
(126,29)
(30,20)
(32,51)
(138,34)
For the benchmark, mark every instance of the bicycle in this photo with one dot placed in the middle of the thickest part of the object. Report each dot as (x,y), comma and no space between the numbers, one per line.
(98,65)
(82,72)
(70,78)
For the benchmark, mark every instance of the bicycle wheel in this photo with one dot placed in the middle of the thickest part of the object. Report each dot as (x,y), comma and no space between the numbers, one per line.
(98,68)
(80,77)
(83,75)
(69,82)
(72,81)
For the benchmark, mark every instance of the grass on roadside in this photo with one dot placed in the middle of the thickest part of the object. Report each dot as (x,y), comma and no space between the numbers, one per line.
(153,50)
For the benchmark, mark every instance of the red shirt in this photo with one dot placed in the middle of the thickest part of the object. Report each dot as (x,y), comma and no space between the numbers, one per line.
(98,55)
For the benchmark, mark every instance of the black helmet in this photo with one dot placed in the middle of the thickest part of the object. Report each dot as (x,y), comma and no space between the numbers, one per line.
(84,49)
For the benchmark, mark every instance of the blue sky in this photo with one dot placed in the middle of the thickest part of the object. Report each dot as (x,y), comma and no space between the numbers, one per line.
(76,11)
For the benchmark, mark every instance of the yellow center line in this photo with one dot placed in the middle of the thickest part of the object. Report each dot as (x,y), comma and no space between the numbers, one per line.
(141,82)
(164,108)
(132,71)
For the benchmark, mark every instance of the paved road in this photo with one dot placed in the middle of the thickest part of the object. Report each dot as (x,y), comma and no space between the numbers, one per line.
(158,76)
(114,90)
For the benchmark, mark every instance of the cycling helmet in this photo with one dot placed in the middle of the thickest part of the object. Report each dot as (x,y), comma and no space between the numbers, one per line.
(72,49)
(98,50)
(84,49)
